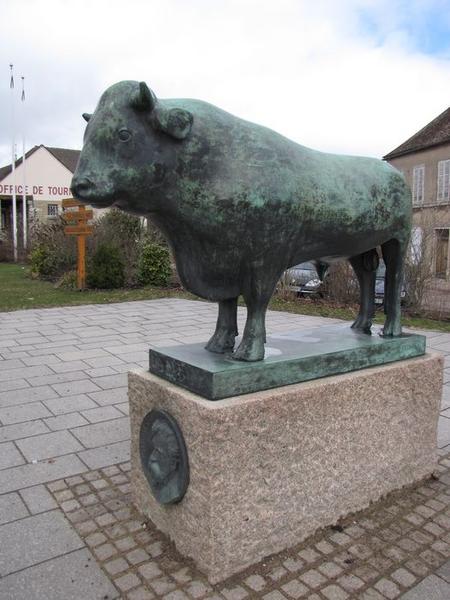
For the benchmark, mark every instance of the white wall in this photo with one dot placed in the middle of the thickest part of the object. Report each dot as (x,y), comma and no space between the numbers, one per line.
(47,178)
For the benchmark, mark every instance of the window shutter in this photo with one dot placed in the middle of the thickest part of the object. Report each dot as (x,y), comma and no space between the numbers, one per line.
(443,180)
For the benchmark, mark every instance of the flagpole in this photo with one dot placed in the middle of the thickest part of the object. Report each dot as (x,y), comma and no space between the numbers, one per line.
(24,180)
(13,166)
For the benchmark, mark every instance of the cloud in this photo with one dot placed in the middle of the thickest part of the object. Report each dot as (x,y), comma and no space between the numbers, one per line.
(352,76)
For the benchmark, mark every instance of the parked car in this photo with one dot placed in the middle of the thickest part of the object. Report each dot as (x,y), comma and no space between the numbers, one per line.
(306,279)
(379,286)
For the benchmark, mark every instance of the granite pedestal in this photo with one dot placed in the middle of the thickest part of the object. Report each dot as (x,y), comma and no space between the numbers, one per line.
(268,469)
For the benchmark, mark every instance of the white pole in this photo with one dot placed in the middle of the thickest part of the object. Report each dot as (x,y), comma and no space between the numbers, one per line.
(13,165)
(24,179)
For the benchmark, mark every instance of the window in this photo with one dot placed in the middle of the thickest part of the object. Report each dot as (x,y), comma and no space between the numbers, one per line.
(52,210)
(443,181)
(418,184)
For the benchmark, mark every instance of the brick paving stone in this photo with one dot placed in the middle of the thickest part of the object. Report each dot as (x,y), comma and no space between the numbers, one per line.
(137,556)
(403,577)
(35,539)
(183,575)
(334,592)
(49,445)
(105,551)
(38,499)
(351,583)
(388,588)
(10,433)
(23,476)
(431,588)
(444,571)
(325,547)
(12,508)
(150,571)
(277,573)
(255,583)
(309,555)
(28,412)
(96,539)
(127,582)
(140,593)
(162,585)
(275,595)
(371,594)
(70,577)
(330,569)
(312,578)
(293,565)
(294,589)
(176,595)
(118,565)
(69,404)
(198,589)
(10,456)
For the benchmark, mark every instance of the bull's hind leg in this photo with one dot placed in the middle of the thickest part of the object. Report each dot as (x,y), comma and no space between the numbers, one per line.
(365,266)
(394,252)
(226,328)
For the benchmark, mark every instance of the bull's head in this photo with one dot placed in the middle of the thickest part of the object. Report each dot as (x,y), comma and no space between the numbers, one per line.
(130,143)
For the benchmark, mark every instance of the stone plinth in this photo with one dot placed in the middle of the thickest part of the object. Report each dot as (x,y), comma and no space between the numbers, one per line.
(268,469)
(289,358)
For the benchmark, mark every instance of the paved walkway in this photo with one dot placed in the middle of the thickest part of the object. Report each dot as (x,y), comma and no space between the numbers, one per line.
(66,527)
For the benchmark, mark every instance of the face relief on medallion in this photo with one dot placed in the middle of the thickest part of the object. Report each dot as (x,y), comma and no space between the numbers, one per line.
(164,457)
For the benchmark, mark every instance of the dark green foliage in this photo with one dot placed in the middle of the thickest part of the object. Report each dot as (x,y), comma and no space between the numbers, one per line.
(154,264)
(125,232)
(52,252)
(106,270)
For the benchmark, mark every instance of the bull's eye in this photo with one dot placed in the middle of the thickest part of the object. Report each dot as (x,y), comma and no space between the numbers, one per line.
(124,135)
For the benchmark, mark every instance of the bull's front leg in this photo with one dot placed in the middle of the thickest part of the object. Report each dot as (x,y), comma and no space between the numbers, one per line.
(226,328)
(257,294)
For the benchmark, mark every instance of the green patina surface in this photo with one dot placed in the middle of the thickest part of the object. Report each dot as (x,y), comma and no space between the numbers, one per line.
(290,358)
(240,203)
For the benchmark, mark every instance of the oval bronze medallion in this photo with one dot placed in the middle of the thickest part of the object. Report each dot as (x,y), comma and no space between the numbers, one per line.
(164,457)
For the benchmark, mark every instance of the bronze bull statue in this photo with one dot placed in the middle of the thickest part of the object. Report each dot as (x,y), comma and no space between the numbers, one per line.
(239,204)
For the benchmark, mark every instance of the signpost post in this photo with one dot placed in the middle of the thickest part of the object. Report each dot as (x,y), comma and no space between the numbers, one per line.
(77,224)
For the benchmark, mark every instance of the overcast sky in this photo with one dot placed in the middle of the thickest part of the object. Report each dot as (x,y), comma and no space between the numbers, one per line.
(347,76)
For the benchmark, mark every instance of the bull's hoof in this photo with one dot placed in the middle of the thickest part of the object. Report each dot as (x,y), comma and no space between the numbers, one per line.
(250,351)
(362,325)
(391,330)
(221,342)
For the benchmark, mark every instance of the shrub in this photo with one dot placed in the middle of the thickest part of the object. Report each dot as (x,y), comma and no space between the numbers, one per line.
(67,281)
(153,265)
(126,232)
(106,269)
(52,252)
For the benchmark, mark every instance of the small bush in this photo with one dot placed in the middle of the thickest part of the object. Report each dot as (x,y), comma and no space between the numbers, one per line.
(45,261)
(106,270)
(154,265)
(68,281)
(52,252)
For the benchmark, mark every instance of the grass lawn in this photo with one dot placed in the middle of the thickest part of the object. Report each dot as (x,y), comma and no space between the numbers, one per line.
(18,291)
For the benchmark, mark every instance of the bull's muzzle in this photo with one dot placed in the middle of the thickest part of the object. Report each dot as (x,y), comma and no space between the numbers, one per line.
(80,187)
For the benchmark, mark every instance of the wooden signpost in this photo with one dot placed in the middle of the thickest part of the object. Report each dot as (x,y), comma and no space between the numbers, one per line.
(77,224)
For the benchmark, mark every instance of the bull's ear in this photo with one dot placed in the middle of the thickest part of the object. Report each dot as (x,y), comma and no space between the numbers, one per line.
(143,99)
(176,122)
(86,117)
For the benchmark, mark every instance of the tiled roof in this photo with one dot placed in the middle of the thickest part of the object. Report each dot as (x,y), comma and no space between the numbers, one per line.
(69,158)
(65,156)
(434,134)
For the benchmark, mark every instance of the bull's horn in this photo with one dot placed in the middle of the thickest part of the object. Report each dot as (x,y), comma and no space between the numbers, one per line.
(144,98)
(86,116)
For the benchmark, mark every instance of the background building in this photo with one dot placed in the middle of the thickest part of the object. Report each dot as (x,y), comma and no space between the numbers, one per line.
(424,160)
(48,175)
